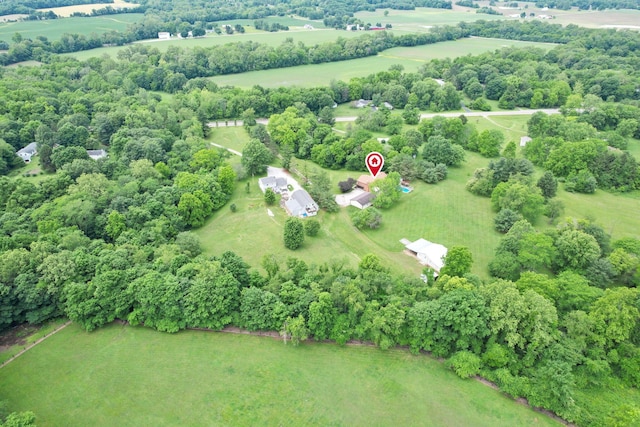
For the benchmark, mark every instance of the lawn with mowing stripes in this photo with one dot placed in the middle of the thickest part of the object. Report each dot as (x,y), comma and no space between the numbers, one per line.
(132,376)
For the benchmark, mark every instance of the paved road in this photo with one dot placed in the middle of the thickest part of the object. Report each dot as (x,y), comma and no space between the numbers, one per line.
(471,114)
(432,115)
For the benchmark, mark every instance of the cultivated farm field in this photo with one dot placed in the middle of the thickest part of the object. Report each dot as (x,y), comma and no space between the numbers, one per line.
(53,29)
(66,11)
(411,58)
(132,376)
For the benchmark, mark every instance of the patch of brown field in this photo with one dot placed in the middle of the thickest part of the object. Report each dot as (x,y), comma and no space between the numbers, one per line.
(66,11)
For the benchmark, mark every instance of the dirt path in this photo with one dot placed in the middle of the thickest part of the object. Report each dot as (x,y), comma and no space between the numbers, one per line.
(35,343)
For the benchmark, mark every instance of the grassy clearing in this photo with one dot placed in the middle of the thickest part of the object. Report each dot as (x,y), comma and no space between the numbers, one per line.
(31,172)
(513,127)
(234,137)
(411,58)
(53,29)
(271,39)
(66,11)
(129,376)
(40,331)
(421,19)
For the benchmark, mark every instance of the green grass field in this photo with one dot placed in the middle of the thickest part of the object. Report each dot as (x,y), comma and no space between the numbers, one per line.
(421,19)
(53,29)
(132,376)
(310,37)
(409,57)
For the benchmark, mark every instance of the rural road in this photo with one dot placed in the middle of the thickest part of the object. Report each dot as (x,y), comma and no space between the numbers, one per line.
(422,116)
(471,114)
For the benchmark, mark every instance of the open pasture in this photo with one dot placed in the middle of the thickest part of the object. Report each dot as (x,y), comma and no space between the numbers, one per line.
(133,376)
(66,11)
(290,21)
(411,58)
(422,19)
(309,37)
(53,29)
(610,18)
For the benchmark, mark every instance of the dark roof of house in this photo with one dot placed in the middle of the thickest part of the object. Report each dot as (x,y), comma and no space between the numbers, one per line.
(364,198)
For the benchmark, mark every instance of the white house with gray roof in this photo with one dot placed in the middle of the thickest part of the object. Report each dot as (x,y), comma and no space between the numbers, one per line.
(28,152)
(301,204)
(277,183)
(97,154)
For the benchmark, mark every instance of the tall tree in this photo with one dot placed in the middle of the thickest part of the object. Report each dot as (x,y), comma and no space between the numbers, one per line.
(256,157)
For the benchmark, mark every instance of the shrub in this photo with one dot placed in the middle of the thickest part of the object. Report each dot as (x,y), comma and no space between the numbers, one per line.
(346,186)
(582,182)
(293,233)
(311,227)
(505,220)
(464,363)
(233,207)
(367,218)
(269,197)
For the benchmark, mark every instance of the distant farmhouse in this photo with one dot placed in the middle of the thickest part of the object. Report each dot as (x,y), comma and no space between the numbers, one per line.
(362,103)
(428,253)
(97,154)
(164,35)
(301,204)
(27,152)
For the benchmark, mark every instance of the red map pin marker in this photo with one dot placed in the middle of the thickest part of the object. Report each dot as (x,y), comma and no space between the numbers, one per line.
(374,162)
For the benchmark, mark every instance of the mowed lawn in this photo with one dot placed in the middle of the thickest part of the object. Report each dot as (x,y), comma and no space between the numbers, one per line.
(132,376)
(411,58)
(53,29)
(445,213)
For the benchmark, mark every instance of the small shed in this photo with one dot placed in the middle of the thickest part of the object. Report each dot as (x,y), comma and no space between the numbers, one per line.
(428,253)
(28,152)
(363,201)
(163,35)
(365,181)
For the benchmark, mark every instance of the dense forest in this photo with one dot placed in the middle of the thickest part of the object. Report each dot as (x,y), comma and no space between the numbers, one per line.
(109,239)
